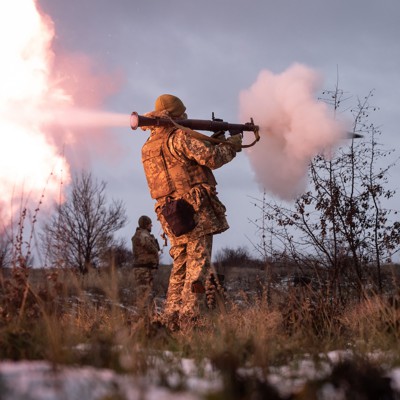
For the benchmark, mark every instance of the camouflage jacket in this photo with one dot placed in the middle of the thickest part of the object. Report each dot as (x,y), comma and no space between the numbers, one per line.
(145,248)
(202,195)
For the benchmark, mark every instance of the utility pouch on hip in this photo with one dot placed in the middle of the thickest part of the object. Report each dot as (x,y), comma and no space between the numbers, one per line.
(179,215)
(198,287)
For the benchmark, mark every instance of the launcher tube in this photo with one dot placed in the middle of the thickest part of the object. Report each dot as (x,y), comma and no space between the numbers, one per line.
(195,124)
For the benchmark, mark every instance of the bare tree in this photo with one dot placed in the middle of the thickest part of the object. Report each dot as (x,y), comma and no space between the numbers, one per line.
(340,225)
(82,228)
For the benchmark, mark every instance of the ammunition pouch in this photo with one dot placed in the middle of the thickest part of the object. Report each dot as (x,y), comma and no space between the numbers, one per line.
(179,215)
(198,287)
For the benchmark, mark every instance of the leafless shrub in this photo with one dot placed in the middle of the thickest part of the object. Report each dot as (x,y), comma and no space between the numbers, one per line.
(82,228)
(340,225)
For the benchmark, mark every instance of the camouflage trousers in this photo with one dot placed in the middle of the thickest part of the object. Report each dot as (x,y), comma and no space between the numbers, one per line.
(190,276)
(143,289)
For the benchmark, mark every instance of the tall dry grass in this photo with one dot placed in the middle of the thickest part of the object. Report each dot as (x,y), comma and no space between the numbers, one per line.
(69,318)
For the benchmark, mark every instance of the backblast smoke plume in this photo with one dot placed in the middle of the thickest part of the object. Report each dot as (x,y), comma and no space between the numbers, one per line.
(27,157)
(294,128)
(39,98)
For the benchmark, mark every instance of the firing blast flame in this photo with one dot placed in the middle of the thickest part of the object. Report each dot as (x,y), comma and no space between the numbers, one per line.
(41,111)
(294,128)
(27,157)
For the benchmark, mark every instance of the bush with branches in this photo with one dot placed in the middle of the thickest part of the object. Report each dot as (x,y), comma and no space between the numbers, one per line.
(82,228)
(340,224)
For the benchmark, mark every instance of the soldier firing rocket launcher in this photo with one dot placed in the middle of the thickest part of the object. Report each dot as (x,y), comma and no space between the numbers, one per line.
(218,126)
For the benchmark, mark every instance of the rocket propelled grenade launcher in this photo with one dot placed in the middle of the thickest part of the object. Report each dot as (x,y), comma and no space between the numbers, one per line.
(218,126)
(214,125)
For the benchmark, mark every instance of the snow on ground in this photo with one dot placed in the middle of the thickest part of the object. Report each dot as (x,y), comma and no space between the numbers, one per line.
(41,380)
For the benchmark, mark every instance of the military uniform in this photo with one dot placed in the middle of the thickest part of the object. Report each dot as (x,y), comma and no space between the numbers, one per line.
(145,261)
(179,166)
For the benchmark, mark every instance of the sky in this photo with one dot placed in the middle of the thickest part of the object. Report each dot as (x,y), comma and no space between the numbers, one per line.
(209,53)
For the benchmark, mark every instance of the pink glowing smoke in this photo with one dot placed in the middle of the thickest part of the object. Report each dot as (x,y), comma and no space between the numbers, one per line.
(81,125)
(294,128)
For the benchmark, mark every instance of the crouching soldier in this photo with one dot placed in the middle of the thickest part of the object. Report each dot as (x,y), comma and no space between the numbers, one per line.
(146,251)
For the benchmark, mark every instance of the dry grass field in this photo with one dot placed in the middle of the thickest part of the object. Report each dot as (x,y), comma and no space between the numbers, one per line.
(91,320)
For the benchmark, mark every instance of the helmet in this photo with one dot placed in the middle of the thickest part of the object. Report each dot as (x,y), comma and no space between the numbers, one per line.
(170,103)
(144,221)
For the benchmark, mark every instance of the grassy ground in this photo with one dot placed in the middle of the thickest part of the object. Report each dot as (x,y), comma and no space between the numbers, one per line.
(68,318)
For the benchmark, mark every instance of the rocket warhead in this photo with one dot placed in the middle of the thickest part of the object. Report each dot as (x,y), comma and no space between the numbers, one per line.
(353,135)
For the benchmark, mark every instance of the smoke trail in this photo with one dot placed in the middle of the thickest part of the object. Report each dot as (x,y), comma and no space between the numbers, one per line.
(80,123)
(295,127)
(71,117)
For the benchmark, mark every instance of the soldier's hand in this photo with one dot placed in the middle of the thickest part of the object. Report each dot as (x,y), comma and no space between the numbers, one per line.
(220,135)
(236,141)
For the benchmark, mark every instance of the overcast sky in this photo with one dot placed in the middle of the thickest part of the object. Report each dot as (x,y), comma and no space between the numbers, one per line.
(207,52)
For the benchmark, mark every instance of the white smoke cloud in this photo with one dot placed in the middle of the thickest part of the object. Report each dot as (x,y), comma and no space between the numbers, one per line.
(294,128)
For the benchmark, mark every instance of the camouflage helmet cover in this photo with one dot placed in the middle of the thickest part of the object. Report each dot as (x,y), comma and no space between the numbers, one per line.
(172,104)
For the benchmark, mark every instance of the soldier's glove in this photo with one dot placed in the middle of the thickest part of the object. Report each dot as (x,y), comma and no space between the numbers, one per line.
(220,135)
(236,141)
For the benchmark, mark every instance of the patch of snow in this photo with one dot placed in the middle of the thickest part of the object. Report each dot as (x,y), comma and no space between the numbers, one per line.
(40,380)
